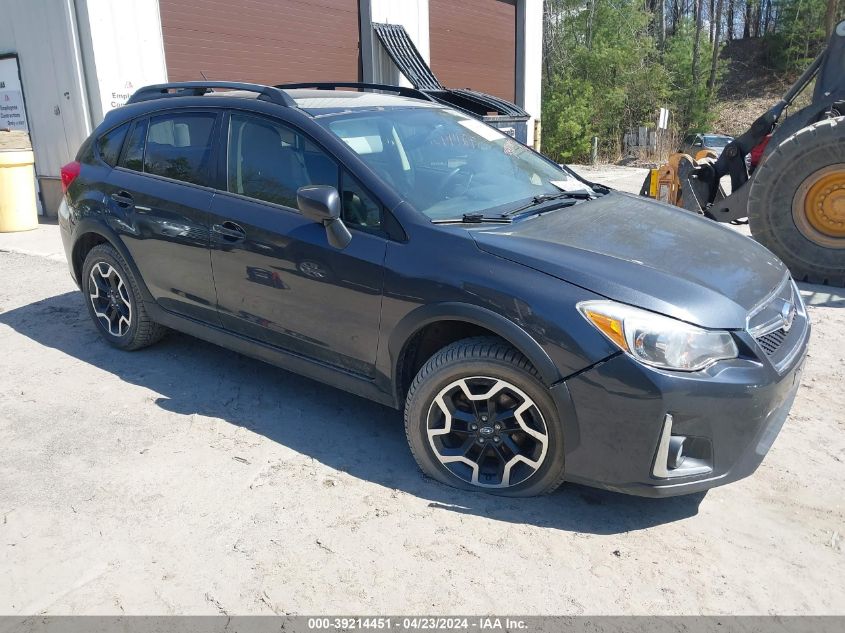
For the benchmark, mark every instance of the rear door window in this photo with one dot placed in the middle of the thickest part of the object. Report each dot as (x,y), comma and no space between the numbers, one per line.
(109,144)
(133,155)
(179,146)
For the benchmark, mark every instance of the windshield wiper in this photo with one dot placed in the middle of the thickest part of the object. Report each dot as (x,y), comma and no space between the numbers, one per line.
(542,198)
(474,218)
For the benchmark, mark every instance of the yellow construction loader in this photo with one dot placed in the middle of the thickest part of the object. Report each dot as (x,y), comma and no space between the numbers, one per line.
(787,175)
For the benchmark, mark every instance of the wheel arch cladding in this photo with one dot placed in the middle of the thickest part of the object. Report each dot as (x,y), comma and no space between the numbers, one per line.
(81,248)
(461,321)
(91,234)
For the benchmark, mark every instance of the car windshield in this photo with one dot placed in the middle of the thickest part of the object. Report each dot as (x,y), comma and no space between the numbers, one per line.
(447,164)
(716,141)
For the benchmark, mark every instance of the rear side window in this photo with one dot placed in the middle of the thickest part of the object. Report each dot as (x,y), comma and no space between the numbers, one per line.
(179,147)
(109,144)
(133,157)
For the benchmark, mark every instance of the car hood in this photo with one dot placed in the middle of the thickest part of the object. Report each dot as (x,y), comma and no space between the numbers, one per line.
(645,253)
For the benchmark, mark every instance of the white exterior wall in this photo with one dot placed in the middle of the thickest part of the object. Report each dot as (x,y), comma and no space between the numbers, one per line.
(43,34)
(413,15)
(533,69)
(78,59)
(530,63)
(122,49)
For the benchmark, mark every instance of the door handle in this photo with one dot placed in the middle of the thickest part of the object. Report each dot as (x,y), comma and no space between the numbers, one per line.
(123,199)
(230,231)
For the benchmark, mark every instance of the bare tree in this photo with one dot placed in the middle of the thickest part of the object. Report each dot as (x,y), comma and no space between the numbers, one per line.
(554,50)
(677,13)
(698,8)
(830,16)
(749,14)
(767,16)
(714,62)
(731,17)
(711,20)
(730,24)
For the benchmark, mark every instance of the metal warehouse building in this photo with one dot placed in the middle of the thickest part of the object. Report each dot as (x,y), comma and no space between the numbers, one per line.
(64,63)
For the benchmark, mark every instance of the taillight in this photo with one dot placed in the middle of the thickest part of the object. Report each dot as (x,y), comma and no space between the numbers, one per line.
(69,174)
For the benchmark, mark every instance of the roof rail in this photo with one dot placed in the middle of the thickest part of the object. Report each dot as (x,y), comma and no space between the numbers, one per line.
(198,88)
(403,91)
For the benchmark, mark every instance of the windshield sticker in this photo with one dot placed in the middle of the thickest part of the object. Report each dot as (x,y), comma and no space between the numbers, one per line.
(512,148)
(569,185)
(484,131)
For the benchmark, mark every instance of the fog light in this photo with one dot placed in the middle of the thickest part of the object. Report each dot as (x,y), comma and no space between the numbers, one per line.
(676,452)
(679,455)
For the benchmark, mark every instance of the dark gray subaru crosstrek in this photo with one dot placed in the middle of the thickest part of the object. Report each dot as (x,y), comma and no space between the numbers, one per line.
(535,327)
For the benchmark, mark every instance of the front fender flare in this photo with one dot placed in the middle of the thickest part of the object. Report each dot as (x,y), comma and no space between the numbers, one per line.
(415,320)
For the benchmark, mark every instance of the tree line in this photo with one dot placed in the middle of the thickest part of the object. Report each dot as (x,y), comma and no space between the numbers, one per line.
(610,65)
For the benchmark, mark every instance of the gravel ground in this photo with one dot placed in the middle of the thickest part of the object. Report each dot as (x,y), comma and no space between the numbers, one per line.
(187,479)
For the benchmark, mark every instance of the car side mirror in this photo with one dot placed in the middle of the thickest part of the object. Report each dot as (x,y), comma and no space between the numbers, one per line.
(321,203)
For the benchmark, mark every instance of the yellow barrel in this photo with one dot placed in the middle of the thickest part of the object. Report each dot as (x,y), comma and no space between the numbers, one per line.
(18,211)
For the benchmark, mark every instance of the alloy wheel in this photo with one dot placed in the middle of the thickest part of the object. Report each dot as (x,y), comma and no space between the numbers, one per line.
(487,432)
(110,298)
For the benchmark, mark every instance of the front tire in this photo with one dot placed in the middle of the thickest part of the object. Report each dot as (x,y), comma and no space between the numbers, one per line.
(477,417)
(114,301)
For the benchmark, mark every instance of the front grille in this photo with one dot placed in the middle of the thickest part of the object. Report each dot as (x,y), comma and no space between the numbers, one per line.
(766,325)
(772,341)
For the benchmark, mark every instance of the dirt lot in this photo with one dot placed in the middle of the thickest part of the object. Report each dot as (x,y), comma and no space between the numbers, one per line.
(187,479)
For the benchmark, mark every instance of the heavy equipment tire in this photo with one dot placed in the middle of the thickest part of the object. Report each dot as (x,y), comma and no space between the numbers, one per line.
(114,301)
(501,416)
(796,206)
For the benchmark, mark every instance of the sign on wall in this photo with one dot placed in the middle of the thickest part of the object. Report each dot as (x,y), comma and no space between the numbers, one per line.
(12,112)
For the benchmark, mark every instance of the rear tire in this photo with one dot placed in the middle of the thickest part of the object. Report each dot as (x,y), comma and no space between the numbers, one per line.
(791,215)
(114,301)
(501,435)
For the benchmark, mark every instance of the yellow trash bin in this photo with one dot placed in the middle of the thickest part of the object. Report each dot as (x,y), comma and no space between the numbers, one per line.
(18,211)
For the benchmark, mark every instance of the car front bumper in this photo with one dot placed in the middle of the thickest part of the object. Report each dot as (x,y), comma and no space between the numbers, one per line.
(615,414)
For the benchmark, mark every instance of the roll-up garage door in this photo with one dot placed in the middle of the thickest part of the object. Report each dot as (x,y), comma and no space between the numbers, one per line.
(473,45)
(263,41)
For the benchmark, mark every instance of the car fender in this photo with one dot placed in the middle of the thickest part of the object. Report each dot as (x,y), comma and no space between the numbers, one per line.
(87,225)
(477,315)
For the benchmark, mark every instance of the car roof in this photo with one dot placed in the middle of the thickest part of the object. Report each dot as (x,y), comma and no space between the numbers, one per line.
(313,102)
(323,102)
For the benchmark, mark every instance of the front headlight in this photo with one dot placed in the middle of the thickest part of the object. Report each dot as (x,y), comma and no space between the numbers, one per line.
(657,340)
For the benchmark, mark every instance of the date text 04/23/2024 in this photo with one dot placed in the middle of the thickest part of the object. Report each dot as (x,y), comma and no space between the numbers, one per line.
(421,623)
